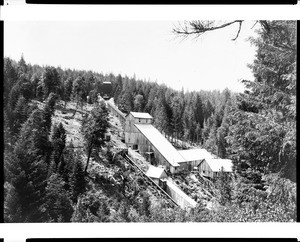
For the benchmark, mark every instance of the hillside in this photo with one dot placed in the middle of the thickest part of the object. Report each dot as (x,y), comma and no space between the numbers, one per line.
(114,172)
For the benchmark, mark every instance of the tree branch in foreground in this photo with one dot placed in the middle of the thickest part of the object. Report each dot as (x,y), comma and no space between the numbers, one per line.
(200,27)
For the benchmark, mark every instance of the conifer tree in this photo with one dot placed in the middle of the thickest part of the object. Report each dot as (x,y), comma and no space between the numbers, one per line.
(57,202)
(50,81)
(20,115)
(78,92)
(49,110)
(10,77)
(28,169)
(264,123)
(77,181)
(94,128)
(58,139)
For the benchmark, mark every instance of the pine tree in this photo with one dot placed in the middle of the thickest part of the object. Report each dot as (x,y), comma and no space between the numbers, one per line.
(28,170)
(160,116)
(199,114)
(261,127)
(12,208)
(78,92)
(177,111)
(22,66)
(58,142)
(117,88)
(139,103)
(223,183)
(50,81)
(49,110)
(20,115)
(94,128)
(10,77)
(57,202)
(211,142)
(77,181)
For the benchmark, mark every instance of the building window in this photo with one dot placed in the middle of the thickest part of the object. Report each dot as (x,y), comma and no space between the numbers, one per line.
(135,147)
(139,120)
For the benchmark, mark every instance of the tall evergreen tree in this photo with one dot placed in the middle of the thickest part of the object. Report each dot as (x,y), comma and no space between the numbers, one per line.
(48,111)
(94,128)
(10,77)
(58,140)
(77,182)
(28,170)
(57,203)
(50,81)
(22,66)
(20,115)
(139,103)
(199,114)
(258,137)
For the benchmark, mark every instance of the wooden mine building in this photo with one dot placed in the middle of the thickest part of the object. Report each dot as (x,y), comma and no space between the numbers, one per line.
(142,136)
(212,167)
(193,157)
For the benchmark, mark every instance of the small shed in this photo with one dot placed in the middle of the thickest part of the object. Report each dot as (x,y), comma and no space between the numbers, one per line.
(106,89)
(212,167)
(193,157)
(156,173)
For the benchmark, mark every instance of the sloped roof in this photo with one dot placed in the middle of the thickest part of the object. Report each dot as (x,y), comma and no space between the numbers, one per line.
(156,172)
(141,115)
(165,148)
(195,154)
(217,164)
(112,104)
(188,199)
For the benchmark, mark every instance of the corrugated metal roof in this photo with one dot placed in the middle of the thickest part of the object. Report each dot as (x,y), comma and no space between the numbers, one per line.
(141,115)
(166,149)
(156,172)
(217,164)
(195,154)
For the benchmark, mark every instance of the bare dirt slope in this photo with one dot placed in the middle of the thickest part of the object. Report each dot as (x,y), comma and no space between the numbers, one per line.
(71,122)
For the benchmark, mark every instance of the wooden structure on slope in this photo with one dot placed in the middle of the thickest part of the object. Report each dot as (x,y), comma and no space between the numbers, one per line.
(115,111)
(105,90)
(156,174)
(212,167)
(182,199)
(159,177)
(143,137)
(193,157)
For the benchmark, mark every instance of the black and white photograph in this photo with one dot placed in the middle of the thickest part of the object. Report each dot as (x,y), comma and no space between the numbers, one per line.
(144,121)
(150,121)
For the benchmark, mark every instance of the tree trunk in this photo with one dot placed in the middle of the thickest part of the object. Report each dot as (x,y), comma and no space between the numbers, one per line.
(75,109)
(88,160)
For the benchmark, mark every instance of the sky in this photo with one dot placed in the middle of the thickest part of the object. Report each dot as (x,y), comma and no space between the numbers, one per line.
(147,49)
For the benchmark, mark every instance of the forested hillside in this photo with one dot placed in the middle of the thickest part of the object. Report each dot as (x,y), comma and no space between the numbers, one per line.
(49,179)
